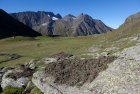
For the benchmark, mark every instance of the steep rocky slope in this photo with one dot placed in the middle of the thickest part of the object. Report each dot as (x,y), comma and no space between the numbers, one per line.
(82,25)
(32,19)
(10,27)
(133,18)
(113,69)
(131,23)
(47,23)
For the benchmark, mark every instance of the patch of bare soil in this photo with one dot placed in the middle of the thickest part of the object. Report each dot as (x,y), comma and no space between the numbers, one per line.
(77,72)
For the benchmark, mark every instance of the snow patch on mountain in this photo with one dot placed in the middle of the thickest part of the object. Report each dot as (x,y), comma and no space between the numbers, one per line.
(54,18)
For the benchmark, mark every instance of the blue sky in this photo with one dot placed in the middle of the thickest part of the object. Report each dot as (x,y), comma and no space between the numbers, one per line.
(111,12)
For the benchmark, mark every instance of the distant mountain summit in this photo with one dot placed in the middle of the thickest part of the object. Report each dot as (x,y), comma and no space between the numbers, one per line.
(33,19)
(10,27)
(69,18)
(47,23)
(86,25)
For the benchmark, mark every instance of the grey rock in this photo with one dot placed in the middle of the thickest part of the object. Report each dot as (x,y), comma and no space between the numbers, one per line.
(122,76)
(49,60)
(3,71)
(32,64)
(46,85)
(12,82)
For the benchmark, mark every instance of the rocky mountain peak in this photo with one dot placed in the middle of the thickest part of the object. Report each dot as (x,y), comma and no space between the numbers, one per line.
(47,23)
(58,16)
(69,17)
(82,14)
(84,17)
(33,19)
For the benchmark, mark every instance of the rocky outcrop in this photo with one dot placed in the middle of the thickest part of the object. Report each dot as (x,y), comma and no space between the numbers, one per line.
(69,75)
(121,77)
(9,27)
(2,72)
(8,81)
(61,56)
(16,77)
(72,75)
(47,85)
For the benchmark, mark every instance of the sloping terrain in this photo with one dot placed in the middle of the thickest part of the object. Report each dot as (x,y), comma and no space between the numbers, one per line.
(33,19)
(121,77)
(47,23)
(9,27)
(82,46)
(82,25)
(90,68)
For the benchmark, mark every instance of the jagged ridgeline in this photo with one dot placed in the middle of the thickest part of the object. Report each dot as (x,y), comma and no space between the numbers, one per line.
(47,23)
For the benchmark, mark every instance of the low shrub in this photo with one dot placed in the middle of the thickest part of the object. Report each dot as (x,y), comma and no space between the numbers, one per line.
(12,90)
(36,91)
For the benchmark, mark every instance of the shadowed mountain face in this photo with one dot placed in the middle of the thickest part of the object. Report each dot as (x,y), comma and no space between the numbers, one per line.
(47,23)
(10,27)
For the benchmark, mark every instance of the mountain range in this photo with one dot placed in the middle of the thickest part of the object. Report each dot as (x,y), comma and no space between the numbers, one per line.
(47,23)
(104,64)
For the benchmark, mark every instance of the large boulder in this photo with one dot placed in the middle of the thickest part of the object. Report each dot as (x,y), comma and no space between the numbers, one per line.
(122,76)
(8,81)
(16,77)
(69,75)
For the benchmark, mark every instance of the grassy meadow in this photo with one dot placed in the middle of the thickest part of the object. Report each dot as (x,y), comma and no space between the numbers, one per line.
(41,47)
